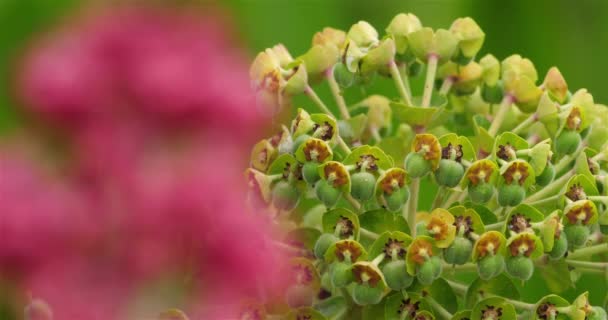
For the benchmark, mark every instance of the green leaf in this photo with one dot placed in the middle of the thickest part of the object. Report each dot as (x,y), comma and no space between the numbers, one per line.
(395,147)
(374,311)
(556,276)
(332,307)
(486,215)
(382,220)
(501,286)
(441,291)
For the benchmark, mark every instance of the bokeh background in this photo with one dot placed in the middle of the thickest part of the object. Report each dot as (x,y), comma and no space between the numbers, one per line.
(570,34)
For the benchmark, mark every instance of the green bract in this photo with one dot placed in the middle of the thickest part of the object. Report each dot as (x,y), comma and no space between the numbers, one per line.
(447,202)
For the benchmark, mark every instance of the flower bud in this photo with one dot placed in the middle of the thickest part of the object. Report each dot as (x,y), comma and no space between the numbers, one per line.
(362,185)
(556,85)
(318,59)
(298,82)
(426,42)
(490,266)
(378,58)
(490,70)
(344,77)
(325,241)
(369,284)
(330,37)
(470,39)
(363,34)
(520,267)
(299,296)
(396,275)
(567,142)
(459,252)
(400,27)
(515,65)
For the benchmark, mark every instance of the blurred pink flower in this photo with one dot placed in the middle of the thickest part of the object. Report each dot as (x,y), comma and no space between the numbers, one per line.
(157,111)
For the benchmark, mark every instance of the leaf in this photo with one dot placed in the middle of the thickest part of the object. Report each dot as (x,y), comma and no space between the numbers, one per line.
(332,307)
(556,276)
(396,148)
(500,286)
(374,311)
(441,292)
(381,220)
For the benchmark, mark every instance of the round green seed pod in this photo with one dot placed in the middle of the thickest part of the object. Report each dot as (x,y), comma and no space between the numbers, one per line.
(323,243)
(299,140)
(490,266)
(567,142)
(426,273)
(396,275)
(416,166)
(481,193)
(577,235)
(560,246)
(397,199)
(285,196)
(362,185)
(546,176)
(597,313)
(341,274)
(327,193)
(511,195)
(520,267)
(365,295)
(343,76)
(310,172)
(299,296)
(493,95)
(459,252)
(449,173)
(437,266)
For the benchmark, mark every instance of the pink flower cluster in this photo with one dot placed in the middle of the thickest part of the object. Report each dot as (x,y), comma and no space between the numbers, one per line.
(155,111)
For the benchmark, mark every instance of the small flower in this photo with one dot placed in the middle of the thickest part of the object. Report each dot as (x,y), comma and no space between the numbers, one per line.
(316,150)
(400,27)
(366,274)
(420,250)
(556,85)
(547,311)
(506,152)
(336,174)
(574,120)
(469,35)
(523,245)
(481,170)
(428,146)
(491,313)
(393,180)
(409,307)
(517,172)
(489,243)
(581,211)
(576,192)
(453,152)
(346,226)
(348,250)
(519,223)
(464,225)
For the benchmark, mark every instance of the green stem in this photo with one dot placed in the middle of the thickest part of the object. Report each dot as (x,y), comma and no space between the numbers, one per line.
(404,76)
(459,288)
(438,197)
(315,98)
(343,145)
(566,160)
(369,234)
(545,200)
(495,226)
(602,199)
(526,123)
(429,83)
(446,86)
(435,305)
(412,206)
(588,251)
(460,267)
(520,304)
(500,115)
(588,264)
(399,83)
(335,90)
(353,202)
(550,188)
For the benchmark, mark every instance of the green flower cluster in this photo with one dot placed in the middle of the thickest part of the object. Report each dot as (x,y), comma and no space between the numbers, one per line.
(518,169)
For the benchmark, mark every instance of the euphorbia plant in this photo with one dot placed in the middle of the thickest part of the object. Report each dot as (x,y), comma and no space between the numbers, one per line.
(517,167)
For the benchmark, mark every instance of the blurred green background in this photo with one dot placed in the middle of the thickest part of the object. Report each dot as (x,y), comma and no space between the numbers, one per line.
(570,34)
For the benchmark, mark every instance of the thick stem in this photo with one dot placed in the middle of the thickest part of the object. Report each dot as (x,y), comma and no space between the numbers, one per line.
(566,160)
(335,90)
(526,123)
(404,76)
(353,202)
(369,234)
(438,197)
(315,98)
(459,288)
(412,206)
(435,305)
(545,200)
(551,188)
(588,264)
(500,115)
(588,251)
(495,226)
(429,83)
(399,83)
(446,86)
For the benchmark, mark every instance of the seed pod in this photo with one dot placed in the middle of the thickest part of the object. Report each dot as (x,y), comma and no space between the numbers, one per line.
(396,275)
(416,165)
(520,267)
(546,176)
(437,266)
(369,284)
(396,200)
(343,76)
(511,195)
(426,273)
(490,266)
(310,172)
(285,196)
(327,193)
(459,252)
(362,185)
(449,173)
(560,246)
(299,296)
(567,142)
(481,193)
(365,295)
(577,235)
(341,274)
(323,243)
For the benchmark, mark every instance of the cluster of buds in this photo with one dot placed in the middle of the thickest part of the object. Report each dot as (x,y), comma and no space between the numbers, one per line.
(518,169)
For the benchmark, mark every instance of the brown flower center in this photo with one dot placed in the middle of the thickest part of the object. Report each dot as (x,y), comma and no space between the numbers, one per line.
(437,228)
(576,192)
(365,274)
(315,150)
(523,245)
(409,307)
(367,162)
(422,250)
(346,226)
(581,213)
(481,171)
(573,122)
(464,223)
(452,152)
(394,248)
(302,274)
(506,152)
(392,181)
(488,245)
(336,174)
(519,223)
(491,313)
(547,311)
(324,131)
(347,249)
(517,172)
